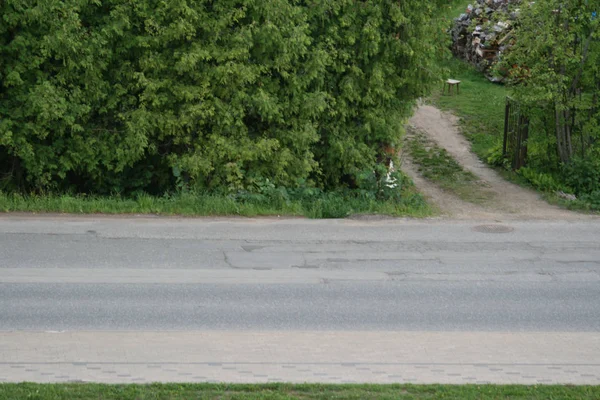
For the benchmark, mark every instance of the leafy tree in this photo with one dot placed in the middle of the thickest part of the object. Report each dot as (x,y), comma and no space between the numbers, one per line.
(555,68)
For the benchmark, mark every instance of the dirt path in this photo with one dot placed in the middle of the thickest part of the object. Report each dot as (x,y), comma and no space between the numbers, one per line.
(510,201)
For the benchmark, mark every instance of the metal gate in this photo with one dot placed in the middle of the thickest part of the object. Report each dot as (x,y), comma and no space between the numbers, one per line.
(516,133)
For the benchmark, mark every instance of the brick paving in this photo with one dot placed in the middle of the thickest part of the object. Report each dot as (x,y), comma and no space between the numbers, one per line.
(326,357)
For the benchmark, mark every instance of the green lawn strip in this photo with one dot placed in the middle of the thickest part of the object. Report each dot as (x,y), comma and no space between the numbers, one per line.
(287,391)
(325,205)
(436,165)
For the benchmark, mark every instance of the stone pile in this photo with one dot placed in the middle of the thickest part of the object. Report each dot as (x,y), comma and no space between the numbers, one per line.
(483,32)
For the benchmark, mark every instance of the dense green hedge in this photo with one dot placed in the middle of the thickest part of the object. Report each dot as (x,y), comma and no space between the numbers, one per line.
(123,95)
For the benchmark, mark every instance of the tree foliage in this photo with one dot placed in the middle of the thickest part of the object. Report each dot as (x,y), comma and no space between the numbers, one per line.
(555,72)
(119,95)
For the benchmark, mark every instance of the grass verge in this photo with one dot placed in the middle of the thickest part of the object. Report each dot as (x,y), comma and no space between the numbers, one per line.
(317,205)
(286,391)
(437,166)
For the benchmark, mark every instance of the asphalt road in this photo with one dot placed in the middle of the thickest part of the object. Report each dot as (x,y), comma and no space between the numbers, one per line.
(153,274)
(423,306)
(285,277)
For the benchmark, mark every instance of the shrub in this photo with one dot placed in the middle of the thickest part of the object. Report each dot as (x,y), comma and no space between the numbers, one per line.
(590,201)
(495,156)
(583,175)
(542,181)
(122,96)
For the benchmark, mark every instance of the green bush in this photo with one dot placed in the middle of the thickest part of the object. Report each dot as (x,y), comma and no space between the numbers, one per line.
(590,201)
(583,175)
(542,181)
(496,157)
(119,96)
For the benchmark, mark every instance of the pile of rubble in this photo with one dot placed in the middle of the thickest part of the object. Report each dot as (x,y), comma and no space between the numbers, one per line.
(483,32)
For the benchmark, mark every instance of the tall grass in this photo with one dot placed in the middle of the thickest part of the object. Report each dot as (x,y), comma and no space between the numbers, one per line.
(326,205)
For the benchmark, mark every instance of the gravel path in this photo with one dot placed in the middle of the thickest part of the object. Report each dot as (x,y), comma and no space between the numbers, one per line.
(510,201)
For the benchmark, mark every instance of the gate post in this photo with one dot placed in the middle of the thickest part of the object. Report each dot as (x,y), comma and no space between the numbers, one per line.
(506,117)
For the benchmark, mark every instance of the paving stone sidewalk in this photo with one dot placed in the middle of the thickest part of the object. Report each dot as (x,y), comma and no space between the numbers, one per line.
(328,357)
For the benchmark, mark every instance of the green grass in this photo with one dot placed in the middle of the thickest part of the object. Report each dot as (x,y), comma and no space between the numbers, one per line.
(454,8)
(321,205)
(285,391)
(480,107)
(436,165)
